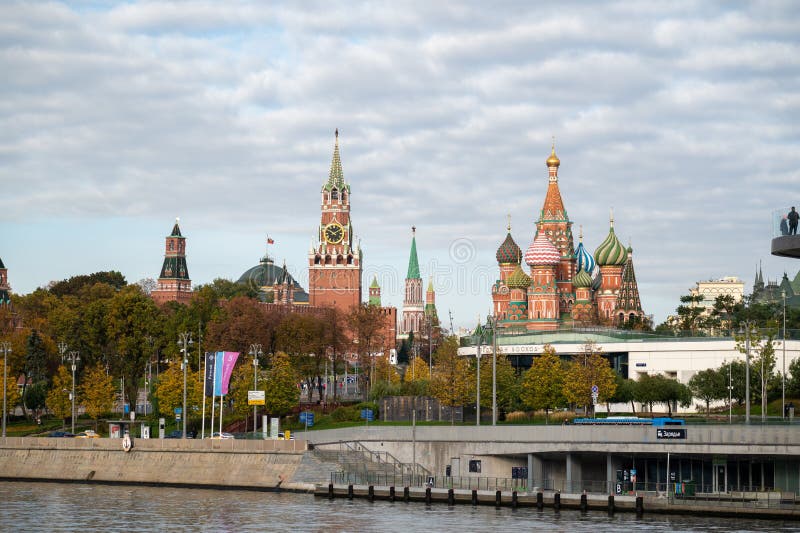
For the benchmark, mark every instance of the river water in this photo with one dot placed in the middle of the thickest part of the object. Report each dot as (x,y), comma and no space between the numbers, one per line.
(81,507)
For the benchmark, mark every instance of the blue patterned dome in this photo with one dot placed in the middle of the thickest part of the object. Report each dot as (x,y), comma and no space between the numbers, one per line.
(585,261)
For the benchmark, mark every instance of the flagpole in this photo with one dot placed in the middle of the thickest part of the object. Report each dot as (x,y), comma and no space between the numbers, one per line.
(221,396)
(203,424)
(213,394)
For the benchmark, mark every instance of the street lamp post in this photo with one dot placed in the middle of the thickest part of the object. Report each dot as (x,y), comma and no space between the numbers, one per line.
(478,386)
(430,348)
(185,339)
(747,325)
(492,321)
(256,352)
(783,372)
(73,357)
(6,346)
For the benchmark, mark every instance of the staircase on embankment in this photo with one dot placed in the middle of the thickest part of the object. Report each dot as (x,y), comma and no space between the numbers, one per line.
(358,464)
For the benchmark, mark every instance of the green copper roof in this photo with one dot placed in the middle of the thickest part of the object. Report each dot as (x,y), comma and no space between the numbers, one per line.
(176,230)
(336,176)
(374,284)
(413,262)
(430,285)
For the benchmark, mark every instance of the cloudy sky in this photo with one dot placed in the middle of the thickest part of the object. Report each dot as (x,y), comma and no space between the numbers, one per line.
(117,118)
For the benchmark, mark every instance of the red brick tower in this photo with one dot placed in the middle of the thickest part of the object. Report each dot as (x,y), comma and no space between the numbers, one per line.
(5,288)
(174,284)
(334,265)
(554,222)
(611,256)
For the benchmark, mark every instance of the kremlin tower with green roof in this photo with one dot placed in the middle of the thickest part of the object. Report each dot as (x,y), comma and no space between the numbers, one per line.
(412,319)
(565,285)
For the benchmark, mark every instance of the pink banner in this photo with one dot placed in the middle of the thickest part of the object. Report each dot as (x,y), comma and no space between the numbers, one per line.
(226,361)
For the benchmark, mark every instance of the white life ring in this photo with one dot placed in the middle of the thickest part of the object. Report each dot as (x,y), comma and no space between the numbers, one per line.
(127,443)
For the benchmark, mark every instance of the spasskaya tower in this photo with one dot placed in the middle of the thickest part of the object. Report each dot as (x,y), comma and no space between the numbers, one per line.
(334,263)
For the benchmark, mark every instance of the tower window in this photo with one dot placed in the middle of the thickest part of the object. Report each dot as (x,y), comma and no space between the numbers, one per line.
(334,194)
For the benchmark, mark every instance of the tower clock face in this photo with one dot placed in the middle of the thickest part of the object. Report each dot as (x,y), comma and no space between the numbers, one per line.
(334,233)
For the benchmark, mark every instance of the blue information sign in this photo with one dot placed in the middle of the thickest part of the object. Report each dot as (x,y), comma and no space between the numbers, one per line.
(307,418)
(368,415)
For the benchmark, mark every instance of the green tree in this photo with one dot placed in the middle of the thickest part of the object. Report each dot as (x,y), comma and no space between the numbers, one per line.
(762,357)
(132,318)
(543,384)
(709,385)
(12,390)
(690,314)
(507,383)
(626,392)
(281,392)
(663,390)
(58,397)
(451,384)
(585,371)
(96,392)
(35,397)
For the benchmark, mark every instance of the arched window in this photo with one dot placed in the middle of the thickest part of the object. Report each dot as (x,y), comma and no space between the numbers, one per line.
(334,194)
(328,260)
(344,196)
(339,260)
(317,259)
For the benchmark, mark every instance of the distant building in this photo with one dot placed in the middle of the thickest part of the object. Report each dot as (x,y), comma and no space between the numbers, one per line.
(275,284)
(5,288)
(174,284)
(712,289)
(413,317)
(773,292)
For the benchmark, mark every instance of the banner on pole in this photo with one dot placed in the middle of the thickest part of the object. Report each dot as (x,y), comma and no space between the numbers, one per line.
(224,368)
(209,377)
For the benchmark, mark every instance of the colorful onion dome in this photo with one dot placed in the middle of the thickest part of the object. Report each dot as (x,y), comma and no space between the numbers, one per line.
(542,252)
(611,251)
(509,252)
(582,279)
(518,279)
(585,261)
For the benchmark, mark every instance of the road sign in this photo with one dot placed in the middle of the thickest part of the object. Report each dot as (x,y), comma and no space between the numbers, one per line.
(255,397)
(595,390)
(368,415)
(307,418)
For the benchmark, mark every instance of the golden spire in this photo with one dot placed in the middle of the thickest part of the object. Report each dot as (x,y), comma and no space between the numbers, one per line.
(611,217)
(509,222)
(553,160)
(580,233)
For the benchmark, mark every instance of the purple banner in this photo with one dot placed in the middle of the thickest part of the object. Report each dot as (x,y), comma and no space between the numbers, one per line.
(209,377)
(224,368)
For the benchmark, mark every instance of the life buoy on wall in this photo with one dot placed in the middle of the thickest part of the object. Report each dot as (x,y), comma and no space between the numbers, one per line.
(127,443)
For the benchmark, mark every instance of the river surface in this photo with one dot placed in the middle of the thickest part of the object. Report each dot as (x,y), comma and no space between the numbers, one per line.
(81,507)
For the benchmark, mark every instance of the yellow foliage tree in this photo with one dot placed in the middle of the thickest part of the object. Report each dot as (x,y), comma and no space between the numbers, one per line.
(96,392)
(12,391)
(241,383)
(170,390)
(586,370)
(418,370)
(452,382)
(543,383)
(281,391)
(58,400)
(384,371)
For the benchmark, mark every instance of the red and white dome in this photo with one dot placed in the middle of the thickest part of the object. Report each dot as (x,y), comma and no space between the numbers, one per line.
(542,252)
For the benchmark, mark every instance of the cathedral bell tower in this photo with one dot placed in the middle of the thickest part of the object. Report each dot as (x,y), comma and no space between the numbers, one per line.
(334,264)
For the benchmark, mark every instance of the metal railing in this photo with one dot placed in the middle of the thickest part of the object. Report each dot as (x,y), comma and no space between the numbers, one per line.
(385,458)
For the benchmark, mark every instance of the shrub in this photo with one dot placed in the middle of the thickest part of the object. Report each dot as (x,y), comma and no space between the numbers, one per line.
(517,417)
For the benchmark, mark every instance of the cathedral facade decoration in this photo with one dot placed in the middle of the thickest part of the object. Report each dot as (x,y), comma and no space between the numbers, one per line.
(564,285)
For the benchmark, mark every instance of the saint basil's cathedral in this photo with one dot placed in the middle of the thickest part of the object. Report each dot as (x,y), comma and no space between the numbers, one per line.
(565,286)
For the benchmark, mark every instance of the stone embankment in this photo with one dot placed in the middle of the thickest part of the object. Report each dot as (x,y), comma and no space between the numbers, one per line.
(244,464)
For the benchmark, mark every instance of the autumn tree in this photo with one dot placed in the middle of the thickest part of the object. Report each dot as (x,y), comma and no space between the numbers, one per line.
(241,382)
(58,397)
(96,392)
(281,391)
(299,336)
(12,390)
(368,326)
(585,371)
(452,381)
(169,390)
(385,371)
(543,384)
(417,370)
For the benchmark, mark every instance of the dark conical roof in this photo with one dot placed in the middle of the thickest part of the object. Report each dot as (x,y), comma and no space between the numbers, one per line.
(1,263)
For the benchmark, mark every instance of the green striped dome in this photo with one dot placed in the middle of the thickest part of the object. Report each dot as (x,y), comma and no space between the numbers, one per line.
(611,251)
(582,279)
(518,279)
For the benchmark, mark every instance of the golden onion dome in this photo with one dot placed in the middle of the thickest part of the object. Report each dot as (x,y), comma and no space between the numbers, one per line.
(553,160)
